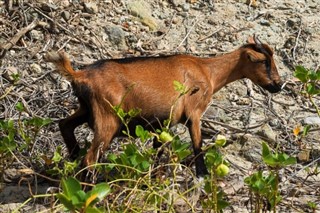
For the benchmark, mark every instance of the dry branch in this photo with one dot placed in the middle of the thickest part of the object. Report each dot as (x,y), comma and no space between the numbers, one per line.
(4,48)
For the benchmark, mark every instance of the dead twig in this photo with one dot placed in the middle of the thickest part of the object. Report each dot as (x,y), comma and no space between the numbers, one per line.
(4,48)
(49,18)
(297,42)
(210,35)
(188,33)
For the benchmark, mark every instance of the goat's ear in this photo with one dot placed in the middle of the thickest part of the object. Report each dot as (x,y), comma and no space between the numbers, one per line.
(255,56)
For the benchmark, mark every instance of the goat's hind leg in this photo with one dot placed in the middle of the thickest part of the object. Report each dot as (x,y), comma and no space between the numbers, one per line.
(105,129)
(67,127)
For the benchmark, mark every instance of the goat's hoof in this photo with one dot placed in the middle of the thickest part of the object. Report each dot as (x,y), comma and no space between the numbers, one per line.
(202,172)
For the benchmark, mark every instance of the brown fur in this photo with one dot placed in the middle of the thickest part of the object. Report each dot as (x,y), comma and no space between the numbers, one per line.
(147,84)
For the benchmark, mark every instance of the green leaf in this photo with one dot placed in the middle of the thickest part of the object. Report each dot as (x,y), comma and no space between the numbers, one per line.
(134,112)
(141,133)
(270,160)
(70,186)
(265,150)
(301,73)
(98,192)
(222,204)
(57,155)
(312,75)
(310,88)
(93,210)
(120,112)
(66,201)
(39,122)
(145,165)
(290,161)
(306,130)
(183,154)
(20,107)
(102,189)
(179,87)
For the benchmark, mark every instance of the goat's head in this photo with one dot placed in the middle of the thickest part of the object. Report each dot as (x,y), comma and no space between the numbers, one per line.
(260,66)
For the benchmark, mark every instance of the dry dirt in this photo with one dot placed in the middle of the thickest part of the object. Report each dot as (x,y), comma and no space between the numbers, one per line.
(114,29)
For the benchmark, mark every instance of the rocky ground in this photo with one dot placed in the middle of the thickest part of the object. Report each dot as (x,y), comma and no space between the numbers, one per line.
(91,30)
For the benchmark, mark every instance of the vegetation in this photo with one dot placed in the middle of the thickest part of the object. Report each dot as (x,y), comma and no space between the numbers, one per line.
(138,179)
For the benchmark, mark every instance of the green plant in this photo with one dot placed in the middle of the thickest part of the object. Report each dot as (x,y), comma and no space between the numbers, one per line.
(312,206)
(267,186)
(310,80)
(7,144)
(75,199)
(131,163)
(68,168)
(218,168)
(26,129)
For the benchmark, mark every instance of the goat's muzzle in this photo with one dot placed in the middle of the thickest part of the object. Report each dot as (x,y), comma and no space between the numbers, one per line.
(273,87)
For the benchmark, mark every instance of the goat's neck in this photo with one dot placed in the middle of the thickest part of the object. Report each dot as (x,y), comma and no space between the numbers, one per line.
(224,69)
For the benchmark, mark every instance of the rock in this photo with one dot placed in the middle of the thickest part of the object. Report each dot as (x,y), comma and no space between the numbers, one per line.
(267,133)
(11,73)
(49,7)
(186,7)
(312,120)
(244,101)
(142,10)
(65,3)
(116,36)
(66,15)
(264,22)
(91,7)
(35,68)
(177,3)
(303,156)
(64,85)
(37,35)
(275,123)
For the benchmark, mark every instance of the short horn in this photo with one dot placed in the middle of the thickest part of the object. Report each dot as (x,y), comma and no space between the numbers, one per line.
(257,41)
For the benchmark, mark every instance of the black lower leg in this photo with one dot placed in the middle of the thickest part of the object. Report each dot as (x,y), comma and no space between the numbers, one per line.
(201,169)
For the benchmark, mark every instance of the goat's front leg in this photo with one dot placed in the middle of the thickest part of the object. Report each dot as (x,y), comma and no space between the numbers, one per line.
(105,130)
(67,127)
(195,132)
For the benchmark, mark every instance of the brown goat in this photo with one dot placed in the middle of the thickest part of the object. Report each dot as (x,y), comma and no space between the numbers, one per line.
(147,84)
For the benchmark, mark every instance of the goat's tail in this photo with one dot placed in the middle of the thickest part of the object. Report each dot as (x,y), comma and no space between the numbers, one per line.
(62,62)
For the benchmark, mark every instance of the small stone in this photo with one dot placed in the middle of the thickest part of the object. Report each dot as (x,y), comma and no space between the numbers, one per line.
(244,101)
(304,156)
(143,11)
(49,7)
(274,123)
(64,85)
(65,15)
(65,3)
(11,73)
(37,35)
(178,2)
(91,7)
(186,7)
(267,133)
(265,22)
(12,70)
(35,68)
(311,120)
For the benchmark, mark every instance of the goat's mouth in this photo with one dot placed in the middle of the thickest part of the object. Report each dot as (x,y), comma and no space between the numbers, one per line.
(273,87)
